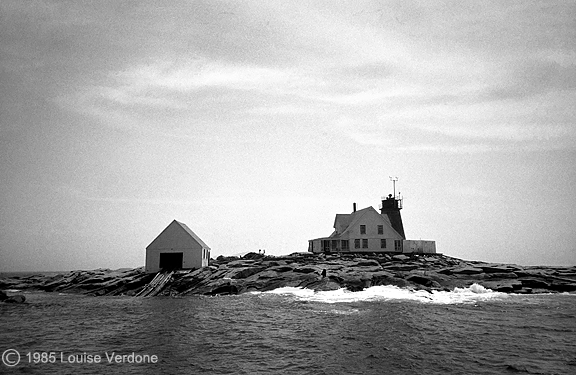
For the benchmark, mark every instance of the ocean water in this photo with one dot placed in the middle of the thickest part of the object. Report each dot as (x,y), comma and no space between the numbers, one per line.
(382,330)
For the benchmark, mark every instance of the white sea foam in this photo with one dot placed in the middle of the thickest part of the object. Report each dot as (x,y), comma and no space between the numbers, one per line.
(471,294)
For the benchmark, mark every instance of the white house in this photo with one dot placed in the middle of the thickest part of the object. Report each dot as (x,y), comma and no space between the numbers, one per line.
(176,247)
(361,231)
(367,230)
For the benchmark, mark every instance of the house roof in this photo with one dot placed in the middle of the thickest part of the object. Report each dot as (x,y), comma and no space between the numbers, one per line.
(192,234)
(352,219)
(342,220)
(187,230)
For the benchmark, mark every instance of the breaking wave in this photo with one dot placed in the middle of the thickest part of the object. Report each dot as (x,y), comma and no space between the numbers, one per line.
(471,294)
(12,290)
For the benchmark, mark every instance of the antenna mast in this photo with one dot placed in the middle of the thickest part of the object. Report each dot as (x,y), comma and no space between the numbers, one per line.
(394,179)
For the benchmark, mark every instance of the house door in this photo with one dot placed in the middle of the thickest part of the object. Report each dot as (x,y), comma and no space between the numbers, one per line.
(171,261)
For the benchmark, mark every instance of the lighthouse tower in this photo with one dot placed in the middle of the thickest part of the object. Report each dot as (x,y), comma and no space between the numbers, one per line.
(391,206)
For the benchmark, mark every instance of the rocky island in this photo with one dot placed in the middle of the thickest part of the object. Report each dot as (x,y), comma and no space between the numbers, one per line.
(256,272)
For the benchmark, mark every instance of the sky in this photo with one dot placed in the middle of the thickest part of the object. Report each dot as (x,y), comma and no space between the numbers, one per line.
(255,122)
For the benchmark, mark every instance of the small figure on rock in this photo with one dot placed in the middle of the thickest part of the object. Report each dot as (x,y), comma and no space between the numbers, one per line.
(323,273)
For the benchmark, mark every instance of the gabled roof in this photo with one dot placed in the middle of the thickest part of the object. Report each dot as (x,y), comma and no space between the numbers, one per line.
(192,234)
(357,216)
(187,230)
(342,220)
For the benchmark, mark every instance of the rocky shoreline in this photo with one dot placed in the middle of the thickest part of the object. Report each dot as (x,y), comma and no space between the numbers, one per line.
(255,272)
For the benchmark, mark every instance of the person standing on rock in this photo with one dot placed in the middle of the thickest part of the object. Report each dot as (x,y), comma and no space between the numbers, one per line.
(323,273)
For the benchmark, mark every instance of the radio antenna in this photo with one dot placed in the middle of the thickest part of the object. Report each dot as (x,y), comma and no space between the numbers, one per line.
(394,179)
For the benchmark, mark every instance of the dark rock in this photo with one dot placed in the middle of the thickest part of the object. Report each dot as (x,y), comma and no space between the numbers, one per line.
(240,263)
(325,284)
(496,269)
(498,275)
(231,275)
(531,273)
(266,274)
(507,286)
(570,274)
(273,263)
(400,267)
(370,270)
(356,285)
(127,285)
(264,286)
(383,279)
(3,296)
(18,298)
(504,288)
(400,257)
(476,276)
(467,271)
(382,274)
(535,283)
(223,290)
(422,280)
(445,271)
(368,263)
(253,256)
(563,287)
(280,269)
(308,270)
(243,273)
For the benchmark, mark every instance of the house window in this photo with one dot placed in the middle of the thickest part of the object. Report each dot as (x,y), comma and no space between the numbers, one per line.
(381,230)
(383,243)
(365,243)
(362,229)
(357,243)
(334,245)
(344,244)
(398,245)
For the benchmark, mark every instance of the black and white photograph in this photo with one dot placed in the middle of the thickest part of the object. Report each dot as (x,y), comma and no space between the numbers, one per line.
(288,187)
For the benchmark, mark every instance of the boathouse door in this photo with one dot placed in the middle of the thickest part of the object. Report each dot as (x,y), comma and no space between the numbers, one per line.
(171,261)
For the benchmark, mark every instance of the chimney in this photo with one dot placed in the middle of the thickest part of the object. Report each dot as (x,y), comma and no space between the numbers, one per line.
(353,207)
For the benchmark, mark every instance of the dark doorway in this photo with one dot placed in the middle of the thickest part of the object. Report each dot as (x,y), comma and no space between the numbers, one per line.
(171,261)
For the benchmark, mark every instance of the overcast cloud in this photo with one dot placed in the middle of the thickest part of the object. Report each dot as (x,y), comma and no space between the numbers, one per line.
(255,122)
